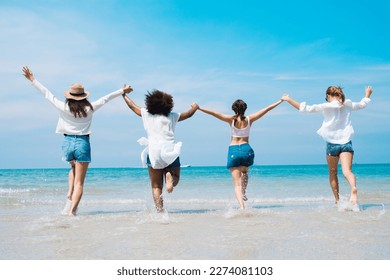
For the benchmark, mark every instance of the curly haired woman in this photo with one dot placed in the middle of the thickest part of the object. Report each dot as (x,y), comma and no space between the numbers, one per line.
(161,154)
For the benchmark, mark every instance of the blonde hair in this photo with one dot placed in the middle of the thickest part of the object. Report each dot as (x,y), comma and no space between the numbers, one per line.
(336,92)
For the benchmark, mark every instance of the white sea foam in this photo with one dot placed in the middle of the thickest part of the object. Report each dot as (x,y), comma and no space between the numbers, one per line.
(113,201)
(383,211)
(4,191)
(152,216)
(66,209)
(344,205)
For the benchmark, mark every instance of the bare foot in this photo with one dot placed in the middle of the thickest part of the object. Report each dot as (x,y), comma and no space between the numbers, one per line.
(160,210)
(169,182)
(354,197)
(72,214)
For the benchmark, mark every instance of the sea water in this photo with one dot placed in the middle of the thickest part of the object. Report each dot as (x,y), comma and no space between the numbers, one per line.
(290,214)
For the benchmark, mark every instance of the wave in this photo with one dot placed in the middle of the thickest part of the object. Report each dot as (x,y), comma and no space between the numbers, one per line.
(50,200)
(17,191)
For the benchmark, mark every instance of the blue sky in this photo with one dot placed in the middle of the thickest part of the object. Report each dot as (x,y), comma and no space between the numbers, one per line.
(209,52)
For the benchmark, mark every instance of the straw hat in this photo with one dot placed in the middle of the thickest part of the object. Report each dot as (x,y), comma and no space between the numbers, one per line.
(76,92)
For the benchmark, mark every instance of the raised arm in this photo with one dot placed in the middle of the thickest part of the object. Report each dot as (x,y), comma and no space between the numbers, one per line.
(189,113)
(47,94)
(291,101)
(364,102)
(134,107)
(222,117)
(255,116)
(103,100)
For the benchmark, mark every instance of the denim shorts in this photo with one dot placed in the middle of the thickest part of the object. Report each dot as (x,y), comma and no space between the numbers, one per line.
(77,148)
(240,155)
(174,164)
(335,150)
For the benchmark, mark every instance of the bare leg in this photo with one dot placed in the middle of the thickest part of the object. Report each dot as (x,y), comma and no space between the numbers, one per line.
(158,199)
(244,181)
(71,175)
(333,179)
(236,175)
(156,180)
(172,177)
(71,180)
(346,166)
(79,178)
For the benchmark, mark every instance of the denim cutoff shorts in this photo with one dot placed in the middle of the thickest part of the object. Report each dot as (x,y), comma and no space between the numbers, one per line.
(174,164)
(240,155)
(335,150)
(77,148)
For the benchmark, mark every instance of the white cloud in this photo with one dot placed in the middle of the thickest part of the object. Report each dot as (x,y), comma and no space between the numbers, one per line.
(378,67)
(27,116)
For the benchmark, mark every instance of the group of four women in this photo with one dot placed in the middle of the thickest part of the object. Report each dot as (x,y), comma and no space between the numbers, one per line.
(161,153)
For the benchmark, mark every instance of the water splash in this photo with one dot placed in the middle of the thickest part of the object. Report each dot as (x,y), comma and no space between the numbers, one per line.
(231,213)
(345,206)
(153,216)
(66,209)
(383,211)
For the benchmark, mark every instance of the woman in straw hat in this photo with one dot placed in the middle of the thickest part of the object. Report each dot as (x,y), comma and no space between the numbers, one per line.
(75,124)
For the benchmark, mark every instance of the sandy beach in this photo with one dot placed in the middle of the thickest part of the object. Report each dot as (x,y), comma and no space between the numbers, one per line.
(269,232)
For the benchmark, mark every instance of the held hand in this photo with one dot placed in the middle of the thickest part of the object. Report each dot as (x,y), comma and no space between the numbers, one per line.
(285,97)
(291,101)
(127,89)
(28,74)
(368,91)
(195,106)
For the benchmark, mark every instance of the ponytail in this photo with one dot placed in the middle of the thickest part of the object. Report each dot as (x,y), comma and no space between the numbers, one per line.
(239,108)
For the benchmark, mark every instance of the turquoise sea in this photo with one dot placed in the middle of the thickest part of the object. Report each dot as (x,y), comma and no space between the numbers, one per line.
(289,207)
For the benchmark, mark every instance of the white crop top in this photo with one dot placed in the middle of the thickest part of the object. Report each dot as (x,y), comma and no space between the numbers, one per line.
(241,132)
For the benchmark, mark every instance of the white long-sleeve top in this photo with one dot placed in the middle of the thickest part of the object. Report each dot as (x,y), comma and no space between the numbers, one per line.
(160,145)
(67,122)
(336,127)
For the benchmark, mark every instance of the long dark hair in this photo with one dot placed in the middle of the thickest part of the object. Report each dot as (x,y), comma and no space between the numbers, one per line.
(239,107)
(159,103)
(79,107)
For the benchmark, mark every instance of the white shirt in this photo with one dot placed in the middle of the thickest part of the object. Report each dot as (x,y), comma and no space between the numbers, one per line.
(160,145)
(67,122)
(336,127)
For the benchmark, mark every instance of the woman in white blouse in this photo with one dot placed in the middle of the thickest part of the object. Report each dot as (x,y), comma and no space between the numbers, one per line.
(75,124)
(337,131)
(161,154)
